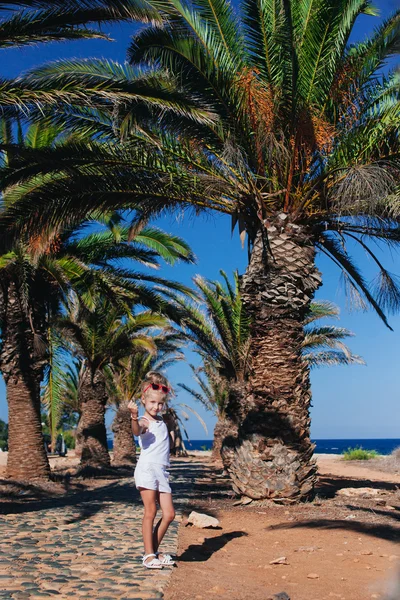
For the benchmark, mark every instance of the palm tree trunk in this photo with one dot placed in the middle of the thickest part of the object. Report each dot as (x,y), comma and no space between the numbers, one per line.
(93,402)
(27,458)
(79,437)
(124,453)
(179,448)
(223,429)
(272,455)
(22,369)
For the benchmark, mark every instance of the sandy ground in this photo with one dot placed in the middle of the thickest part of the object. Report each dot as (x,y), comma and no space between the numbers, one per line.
(333,547)
(333,464)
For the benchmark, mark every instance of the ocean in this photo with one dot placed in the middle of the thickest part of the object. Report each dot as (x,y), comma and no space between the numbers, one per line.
(382,446)
(324,446)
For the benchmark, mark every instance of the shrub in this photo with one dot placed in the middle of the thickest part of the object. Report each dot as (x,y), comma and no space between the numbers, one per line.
(69,440)
(396,454)
(359,453)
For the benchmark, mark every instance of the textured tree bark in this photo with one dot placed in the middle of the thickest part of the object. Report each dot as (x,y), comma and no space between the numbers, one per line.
(22,368)
(272,454)
(79,438)
(179,448)
(124,453)
(224,428)
(93,402)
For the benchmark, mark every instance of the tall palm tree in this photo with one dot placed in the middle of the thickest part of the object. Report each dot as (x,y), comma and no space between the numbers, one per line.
(221,332)
(306,156)
(55,384)
(303,155)
(69,401)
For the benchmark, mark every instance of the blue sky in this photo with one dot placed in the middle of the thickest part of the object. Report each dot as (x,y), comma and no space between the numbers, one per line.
(348,402)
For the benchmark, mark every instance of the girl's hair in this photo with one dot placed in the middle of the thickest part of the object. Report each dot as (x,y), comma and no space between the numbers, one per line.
(155,377)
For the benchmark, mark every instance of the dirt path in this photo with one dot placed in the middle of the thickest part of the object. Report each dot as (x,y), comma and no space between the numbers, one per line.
(334,547)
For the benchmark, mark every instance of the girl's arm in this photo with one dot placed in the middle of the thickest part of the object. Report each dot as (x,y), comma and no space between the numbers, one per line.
(138,425)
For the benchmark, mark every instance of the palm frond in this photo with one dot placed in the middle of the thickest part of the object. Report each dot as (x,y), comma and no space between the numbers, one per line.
(34,22)
(186,407)
(321,309)
(331,358)
(358,288)
(54,388)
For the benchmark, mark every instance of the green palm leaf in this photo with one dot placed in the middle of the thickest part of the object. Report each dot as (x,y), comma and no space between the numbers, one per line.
(53,388)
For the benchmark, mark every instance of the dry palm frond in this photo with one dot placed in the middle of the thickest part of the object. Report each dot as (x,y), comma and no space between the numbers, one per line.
(363,188)
(354,299)
(387,290)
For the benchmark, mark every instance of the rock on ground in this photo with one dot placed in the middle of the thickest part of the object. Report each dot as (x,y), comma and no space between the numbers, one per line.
(202,520)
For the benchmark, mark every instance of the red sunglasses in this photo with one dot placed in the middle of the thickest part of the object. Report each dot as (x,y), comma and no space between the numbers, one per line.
(157,386)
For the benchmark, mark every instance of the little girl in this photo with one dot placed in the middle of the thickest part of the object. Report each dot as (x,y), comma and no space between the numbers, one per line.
(151,473)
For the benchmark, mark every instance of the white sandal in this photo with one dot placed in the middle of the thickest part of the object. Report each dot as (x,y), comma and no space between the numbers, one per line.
(167,560)
(152,564)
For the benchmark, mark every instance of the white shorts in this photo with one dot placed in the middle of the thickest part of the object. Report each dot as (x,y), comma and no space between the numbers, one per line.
(152,476)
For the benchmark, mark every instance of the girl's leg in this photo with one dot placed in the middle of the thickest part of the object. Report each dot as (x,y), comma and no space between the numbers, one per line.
(149,498)
(168,515)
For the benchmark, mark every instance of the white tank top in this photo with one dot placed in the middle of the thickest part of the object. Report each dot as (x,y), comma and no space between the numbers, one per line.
(154,444)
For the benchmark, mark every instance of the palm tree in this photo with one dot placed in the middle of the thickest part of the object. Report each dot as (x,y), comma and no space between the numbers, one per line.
(305,155)
(54,386)
(36,275)
(301,149)
(222,335)
(30,22)
(72,377)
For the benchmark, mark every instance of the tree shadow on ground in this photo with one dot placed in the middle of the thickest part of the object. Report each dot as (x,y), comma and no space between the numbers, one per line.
(87,501)
(391,514)
(202,552)
(328,485)
(71,492)
(379,530)
(112,472)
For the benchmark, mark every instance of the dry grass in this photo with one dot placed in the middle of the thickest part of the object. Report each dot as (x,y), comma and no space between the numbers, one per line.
(388,464)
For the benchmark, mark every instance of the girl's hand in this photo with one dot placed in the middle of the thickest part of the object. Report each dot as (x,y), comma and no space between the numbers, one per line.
(133,407)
